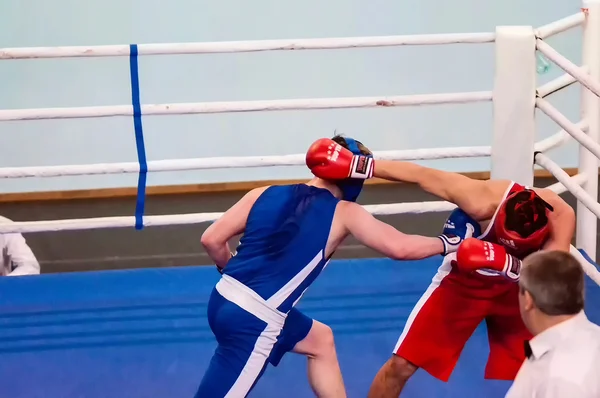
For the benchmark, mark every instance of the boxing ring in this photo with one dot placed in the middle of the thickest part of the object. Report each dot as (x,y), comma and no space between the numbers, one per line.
(143,333)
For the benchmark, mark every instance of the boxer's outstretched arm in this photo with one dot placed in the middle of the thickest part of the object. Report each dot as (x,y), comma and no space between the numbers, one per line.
(216,237)
(467,193)
(561,221)
(386,239)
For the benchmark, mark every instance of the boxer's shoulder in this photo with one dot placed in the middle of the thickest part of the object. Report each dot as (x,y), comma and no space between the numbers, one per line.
(496,191)
(347,209)
(255,193)
(549,196)
(348,214)
(499,189)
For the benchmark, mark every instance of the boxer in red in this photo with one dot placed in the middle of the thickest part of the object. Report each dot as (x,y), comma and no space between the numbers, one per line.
(477,282)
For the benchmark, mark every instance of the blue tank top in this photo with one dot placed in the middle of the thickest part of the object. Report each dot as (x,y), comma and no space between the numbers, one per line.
(282,250)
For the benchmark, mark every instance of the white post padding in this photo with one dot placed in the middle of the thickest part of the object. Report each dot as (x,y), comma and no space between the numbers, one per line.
(590,109)
(514,104)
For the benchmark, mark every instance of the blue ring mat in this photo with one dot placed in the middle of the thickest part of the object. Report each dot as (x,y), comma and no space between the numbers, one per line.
(143,333)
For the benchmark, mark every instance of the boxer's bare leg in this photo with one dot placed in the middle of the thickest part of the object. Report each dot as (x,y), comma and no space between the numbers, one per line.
(391,378)
(324,374)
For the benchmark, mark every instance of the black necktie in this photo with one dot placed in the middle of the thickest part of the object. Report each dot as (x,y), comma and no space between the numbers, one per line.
(527,346)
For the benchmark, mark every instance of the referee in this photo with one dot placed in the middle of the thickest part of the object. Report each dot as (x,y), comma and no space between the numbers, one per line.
(563,358)
(16,258)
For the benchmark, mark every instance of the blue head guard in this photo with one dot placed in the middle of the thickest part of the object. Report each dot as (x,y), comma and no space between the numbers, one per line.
(351,187)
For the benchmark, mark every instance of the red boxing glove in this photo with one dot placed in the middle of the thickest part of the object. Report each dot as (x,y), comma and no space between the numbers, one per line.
(329,160)
(474,254)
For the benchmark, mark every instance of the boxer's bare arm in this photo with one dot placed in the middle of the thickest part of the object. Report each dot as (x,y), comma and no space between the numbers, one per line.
(561,221)
(353,219)
(478,198)
(216,237)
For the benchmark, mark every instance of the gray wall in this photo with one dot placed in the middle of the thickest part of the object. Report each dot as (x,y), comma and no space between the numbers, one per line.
(178,245)
(35,83)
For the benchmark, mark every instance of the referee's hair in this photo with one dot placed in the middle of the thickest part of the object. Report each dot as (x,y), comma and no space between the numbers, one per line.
(555,281)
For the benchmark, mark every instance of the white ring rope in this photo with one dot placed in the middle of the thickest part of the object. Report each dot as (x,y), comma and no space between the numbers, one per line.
(588,268)
(194,218)
(558,84)
(559,188)
(555,140)
(572,186)
(583,197)
(246,46)
(245,106)
(277,45)
(227,162)
(199,218)
(551,29)
(255,161)
(569,126)
(568,67)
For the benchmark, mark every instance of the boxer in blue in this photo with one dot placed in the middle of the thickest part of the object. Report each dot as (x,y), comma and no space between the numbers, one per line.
(289,234)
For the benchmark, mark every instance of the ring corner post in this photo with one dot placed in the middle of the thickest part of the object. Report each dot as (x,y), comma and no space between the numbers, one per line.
(587,222)
(514,104)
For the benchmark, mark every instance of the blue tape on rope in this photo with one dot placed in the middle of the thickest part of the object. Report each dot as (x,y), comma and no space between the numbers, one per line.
(587,257)
(139,136)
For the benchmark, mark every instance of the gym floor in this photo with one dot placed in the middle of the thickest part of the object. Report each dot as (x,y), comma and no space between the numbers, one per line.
(142,333)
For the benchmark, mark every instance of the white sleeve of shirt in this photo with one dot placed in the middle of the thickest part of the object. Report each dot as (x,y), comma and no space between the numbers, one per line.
(560,388)
(20,256)
(552,387)
(521,386)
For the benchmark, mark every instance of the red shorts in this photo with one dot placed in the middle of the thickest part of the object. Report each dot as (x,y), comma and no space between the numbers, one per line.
(449,312)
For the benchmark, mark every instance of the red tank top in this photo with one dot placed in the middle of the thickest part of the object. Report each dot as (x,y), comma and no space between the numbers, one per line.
(490,234)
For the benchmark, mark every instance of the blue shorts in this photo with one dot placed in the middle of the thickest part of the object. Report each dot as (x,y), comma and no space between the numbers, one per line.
(296,328)
(246,344)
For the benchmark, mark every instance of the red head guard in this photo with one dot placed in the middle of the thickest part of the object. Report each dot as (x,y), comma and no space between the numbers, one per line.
(522,221)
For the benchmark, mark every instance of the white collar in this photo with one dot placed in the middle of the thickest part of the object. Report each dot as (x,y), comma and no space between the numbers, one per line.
(549,338)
